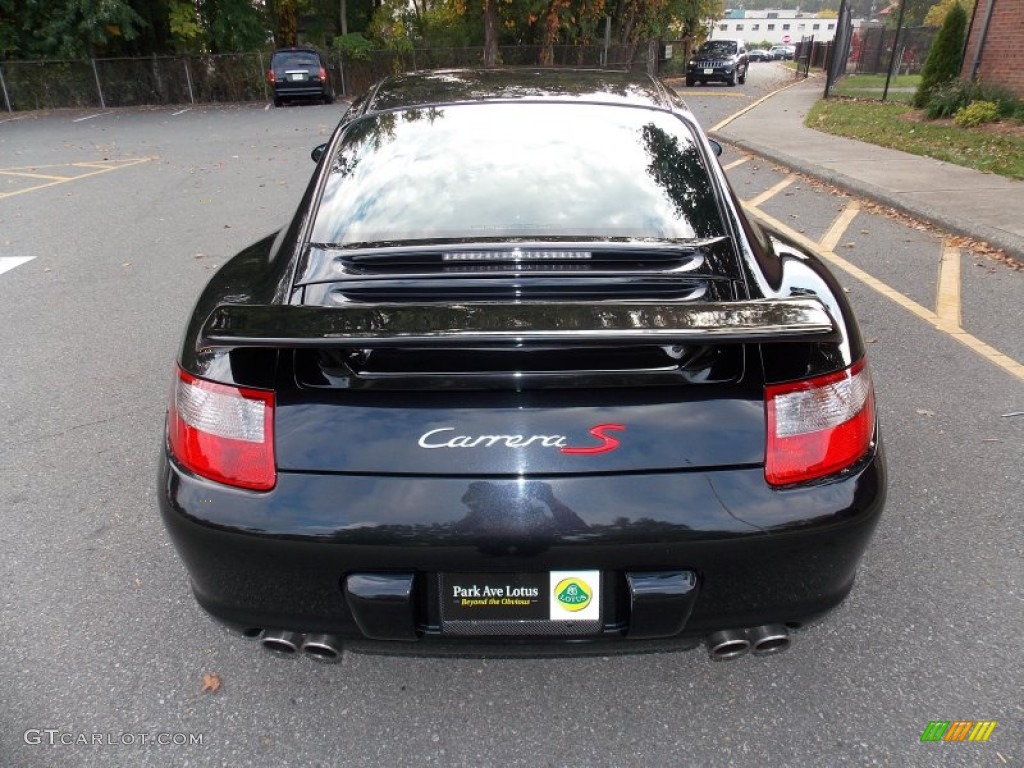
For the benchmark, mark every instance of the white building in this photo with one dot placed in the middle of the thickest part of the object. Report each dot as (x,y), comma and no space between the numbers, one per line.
(777,27)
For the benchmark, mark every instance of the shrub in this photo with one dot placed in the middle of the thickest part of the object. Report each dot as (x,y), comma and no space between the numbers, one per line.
(976,113)
(353,46)
(1004,99)
(948,99)
(943,62)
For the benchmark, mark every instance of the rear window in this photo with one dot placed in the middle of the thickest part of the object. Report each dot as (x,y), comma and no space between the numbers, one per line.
(517,171)
(296,59)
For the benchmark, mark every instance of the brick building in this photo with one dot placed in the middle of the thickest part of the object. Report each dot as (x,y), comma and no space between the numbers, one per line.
(994,43)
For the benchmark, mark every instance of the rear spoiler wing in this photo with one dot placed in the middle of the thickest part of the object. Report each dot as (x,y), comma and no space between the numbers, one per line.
(380,325)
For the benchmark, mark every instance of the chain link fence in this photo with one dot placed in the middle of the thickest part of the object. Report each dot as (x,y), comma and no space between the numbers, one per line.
(871,50)
(197,79)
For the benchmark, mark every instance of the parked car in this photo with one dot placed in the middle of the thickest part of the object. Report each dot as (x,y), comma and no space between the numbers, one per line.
(444,408)
(783,52)
(299,73)
(759,54)
(718,60)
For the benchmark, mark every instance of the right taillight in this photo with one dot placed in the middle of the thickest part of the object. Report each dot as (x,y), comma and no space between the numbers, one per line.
(223,433)
(270,77)
(818,426)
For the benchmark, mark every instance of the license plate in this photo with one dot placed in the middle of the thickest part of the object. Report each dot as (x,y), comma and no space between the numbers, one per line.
(556,596)
(299,76)
(709,71)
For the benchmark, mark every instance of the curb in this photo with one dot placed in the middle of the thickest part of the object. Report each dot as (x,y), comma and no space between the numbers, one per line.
(1011,244)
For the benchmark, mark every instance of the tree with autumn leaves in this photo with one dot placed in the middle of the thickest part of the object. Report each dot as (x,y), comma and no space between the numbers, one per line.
(78,28)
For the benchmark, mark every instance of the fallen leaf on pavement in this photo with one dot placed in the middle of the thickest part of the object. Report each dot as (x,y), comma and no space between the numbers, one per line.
(211,682)
(925,412)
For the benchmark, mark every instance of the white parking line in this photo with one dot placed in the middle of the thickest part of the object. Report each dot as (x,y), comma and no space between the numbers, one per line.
(181,111)
(10,262)
(89,117)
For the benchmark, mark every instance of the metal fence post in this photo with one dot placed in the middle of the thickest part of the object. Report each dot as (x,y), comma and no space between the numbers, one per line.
(263,76)
(3,84)
(188,79)
(96,74)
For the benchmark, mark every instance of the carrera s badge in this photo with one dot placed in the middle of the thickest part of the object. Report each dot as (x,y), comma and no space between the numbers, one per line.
(443,437)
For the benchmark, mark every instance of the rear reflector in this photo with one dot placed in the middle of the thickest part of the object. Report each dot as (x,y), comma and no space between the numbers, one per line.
(223,433)
(819,426)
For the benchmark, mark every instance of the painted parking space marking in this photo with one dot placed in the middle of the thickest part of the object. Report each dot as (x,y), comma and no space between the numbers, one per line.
(90,168)
(728,94)
(181,111)
(947,305)
(736,163)
(835,233)
(89,117)
(947,315)
(7,263)
(949,327)
(27,175)
(772,191)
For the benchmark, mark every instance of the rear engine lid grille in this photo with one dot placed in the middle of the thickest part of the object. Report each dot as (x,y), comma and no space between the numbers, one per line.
(546,271)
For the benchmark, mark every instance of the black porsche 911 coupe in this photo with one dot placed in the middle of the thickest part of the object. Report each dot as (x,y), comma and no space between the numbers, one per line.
(521,376)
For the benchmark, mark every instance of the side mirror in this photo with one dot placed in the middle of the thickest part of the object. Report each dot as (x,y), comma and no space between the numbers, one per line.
(318,152)
(715,147)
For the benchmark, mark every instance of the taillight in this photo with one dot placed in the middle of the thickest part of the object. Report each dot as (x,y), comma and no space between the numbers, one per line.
(223,433)
(818,426)
(270,77)
(323,73)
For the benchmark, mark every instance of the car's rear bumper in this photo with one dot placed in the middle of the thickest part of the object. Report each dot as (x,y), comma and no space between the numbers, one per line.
(281,559)
(299,90)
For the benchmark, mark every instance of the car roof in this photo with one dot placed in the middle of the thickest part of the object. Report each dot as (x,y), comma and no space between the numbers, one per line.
(459,86)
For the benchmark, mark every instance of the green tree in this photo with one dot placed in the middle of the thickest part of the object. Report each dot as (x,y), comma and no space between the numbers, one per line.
(76,29)
(943,62)
(937,13)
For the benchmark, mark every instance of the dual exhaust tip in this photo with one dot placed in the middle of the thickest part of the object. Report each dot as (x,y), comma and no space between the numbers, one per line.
(765,640)
(724,645)
(326,648)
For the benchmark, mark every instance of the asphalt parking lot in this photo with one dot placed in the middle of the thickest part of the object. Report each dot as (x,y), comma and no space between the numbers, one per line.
(109,225)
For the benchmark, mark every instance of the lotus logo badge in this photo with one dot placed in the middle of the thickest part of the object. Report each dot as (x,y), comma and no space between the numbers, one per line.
(573,594)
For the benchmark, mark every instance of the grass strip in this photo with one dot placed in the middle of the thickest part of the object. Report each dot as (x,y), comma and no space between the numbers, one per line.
(887,125)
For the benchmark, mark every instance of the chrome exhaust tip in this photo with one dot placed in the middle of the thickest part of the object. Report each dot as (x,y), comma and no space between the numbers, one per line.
(768,639)
(326,648)
(281,641)
(727,644)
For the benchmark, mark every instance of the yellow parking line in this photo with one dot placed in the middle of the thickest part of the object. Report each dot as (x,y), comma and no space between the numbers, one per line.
(738,161)
(839,226)
(66,179)
(103,166)
(947,306)
(771,192)
(32,175)
(951,329)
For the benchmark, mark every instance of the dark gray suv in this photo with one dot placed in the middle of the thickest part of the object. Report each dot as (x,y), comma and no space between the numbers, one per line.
(721,60)
(299,73)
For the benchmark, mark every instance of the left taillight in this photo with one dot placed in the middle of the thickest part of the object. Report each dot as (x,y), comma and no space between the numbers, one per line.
(819,426)
(323,73)
(223,433)
(271,78)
